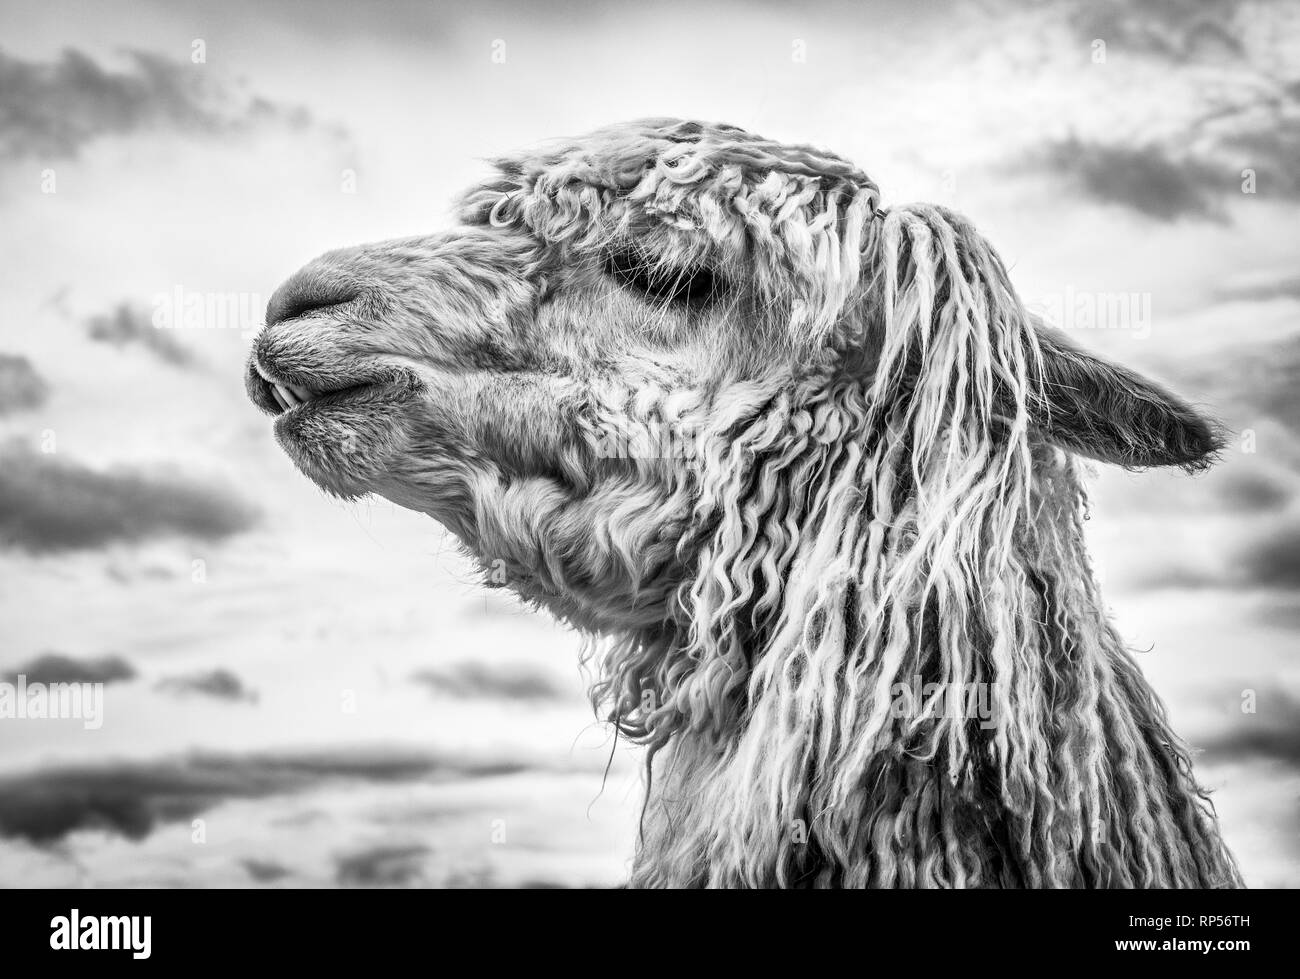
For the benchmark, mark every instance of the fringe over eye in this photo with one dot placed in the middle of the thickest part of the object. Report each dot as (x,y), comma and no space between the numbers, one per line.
(696,286)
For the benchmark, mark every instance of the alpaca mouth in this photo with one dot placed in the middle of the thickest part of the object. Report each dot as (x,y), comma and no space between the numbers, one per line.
(286,396)
(281,397)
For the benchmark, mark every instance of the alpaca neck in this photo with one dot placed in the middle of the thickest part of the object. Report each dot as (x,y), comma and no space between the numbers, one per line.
(819,756)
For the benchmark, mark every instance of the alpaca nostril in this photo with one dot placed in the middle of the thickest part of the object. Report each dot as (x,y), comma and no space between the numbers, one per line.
(307,292)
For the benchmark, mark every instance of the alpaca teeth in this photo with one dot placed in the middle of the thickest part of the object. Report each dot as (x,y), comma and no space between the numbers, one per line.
(286,396)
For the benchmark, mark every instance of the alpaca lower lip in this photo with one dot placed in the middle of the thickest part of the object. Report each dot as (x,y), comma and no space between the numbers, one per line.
(320,400)
(280,397)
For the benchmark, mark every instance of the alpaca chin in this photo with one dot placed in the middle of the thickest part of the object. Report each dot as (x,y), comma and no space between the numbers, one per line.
(344,451)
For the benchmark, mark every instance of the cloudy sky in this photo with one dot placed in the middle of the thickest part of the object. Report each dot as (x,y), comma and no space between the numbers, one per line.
(321,684)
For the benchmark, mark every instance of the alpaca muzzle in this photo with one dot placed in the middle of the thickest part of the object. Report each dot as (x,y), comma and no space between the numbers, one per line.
(298,358)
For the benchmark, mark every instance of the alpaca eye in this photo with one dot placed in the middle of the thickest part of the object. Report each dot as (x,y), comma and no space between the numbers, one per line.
(697,286)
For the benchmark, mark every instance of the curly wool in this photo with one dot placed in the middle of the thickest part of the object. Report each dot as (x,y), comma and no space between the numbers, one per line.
(896,524)
(791,221)
(867,534)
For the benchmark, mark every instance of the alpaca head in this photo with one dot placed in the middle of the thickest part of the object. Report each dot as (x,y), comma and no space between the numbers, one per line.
(585,378)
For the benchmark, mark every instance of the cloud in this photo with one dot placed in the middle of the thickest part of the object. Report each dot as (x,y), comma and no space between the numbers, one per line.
(21,388)
(1276,287)
(53,667)
(1274,559)
(511,681)
(52,110)
(265,871)
(1194,95)
(1174,573)
(220,684)
(123,575)
(1255,490)
(128,326)
(383,866)
(1283,614)
(1268,559)
(1146,179)
(1253,380)
(1271,152)
(50,504)
(1273,731)
(1181,31)
(131,798)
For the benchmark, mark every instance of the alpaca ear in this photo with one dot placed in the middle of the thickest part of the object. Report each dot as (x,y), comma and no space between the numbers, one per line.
(1108,412)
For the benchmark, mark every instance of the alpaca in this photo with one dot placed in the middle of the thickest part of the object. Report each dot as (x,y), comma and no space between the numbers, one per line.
(845,604)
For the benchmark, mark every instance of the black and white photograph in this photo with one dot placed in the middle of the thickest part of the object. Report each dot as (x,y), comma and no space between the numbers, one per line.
(676,445)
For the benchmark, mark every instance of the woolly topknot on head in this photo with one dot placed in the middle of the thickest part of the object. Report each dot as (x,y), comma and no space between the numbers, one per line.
(790,221)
